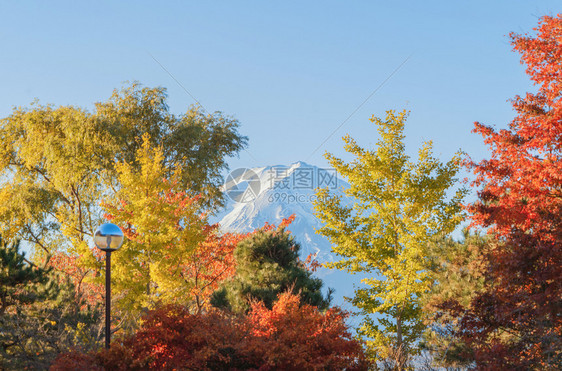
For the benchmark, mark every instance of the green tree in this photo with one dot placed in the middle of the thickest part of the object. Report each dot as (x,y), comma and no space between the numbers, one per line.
(40,315)
(399,206)
(267,265)
(16,275)
(58,163)
(458,277)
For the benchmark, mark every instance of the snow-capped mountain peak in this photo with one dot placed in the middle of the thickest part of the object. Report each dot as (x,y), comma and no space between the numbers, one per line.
(272,193)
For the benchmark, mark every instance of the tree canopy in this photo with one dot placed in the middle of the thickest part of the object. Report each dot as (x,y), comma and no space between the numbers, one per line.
(398,207)
(171,253)
(58,163)
(458,271)
(516,323)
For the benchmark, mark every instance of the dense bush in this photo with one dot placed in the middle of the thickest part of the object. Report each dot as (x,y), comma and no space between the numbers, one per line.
(290,336)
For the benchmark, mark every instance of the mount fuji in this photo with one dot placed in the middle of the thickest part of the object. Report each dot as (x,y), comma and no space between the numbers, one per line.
(270,194)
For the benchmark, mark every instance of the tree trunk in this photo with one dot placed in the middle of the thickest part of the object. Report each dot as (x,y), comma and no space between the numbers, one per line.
(398,351)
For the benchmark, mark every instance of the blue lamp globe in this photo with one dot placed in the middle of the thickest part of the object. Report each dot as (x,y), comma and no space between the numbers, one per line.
(108,237)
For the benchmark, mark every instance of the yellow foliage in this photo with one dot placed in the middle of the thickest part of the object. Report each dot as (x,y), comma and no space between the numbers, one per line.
(163,226)
(398,207)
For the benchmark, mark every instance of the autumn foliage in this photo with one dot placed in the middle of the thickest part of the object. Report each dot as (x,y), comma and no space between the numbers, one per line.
(211,264)
(87,292)
(516,323)
(290,336)
(189,297)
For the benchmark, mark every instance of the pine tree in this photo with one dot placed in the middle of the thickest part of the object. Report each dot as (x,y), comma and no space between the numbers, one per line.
(458,269)
(268,264)
(16,275)
(40,315)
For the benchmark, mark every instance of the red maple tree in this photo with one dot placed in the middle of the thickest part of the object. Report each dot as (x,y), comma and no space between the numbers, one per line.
(211,263)
(516,323)
(296,336)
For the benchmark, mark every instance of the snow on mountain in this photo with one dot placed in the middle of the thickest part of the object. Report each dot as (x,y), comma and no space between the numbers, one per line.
(270,194)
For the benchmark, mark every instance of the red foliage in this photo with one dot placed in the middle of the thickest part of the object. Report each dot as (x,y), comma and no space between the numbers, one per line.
(292,336)
(212,263)
(86,292)
(311,263)
(289,337)
(517,322)
(283,225)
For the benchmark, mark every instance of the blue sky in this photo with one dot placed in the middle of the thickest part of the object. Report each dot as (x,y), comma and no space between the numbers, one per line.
(291,72)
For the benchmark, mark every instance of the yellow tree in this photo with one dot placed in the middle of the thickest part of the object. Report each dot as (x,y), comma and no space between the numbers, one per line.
(163,225)
(55,162)
(398,207)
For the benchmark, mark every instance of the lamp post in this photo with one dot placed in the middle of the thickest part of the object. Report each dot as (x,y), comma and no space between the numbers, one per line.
(108,238)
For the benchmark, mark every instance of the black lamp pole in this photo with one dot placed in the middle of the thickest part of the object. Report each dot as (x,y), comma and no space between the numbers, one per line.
(107,297)
(108,238)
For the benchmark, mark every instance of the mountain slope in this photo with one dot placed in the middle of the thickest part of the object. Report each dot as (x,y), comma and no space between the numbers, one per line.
(270,194)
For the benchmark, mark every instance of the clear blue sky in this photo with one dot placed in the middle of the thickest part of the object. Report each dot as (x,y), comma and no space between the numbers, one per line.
(290,71)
